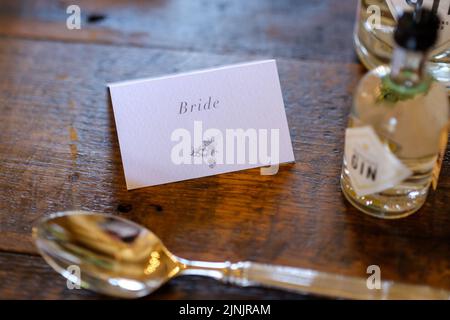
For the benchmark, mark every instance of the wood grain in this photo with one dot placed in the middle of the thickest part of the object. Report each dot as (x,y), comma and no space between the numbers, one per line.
(59,151)
(316,30)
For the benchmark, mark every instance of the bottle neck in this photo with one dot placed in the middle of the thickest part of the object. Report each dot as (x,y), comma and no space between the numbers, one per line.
(408,68)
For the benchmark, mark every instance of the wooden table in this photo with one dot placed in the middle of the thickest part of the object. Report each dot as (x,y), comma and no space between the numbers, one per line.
(59,148)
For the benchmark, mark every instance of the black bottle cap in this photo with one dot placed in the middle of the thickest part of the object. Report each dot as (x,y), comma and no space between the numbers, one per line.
(417,30)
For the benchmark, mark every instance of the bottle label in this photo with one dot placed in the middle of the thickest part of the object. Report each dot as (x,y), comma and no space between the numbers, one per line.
(372,166)
(441,7)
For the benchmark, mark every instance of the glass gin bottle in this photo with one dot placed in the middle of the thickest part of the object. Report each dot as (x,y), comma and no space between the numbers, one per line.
(397,126)
(376,21)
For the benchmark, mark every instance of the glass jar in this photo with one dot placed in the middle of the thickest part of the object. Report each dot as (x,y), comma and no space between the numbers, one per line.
(373,35)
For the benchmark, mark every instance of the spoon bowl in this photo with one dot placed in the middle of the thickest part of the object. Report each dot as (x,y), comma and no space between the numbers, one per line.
(114,256)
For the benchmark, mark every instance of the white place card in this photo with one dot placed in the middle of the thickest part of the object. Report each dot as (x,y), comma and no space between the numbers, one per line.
(201,123)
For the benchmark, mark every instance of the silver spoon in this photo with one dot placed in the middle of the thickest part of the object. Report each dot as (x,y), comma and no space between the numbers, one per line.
(120,258)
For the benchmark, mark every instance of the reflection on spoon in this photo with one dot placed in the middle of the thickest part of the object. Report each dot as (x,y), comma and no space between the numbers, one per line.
(120,258)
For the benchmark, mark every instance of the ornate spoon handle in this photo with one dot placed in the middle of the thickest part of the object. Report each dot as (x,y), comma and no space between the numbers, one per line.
(307,281)
(325,284)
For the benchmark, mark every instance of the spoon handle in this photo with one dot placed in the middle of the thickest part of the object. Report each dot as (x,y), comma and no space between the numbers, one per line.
(325,284)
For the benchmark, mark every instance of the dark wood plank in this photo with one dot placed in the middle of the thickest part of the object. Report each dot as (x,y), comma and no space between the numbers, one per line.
(59,151)
(318,30)
(28,277)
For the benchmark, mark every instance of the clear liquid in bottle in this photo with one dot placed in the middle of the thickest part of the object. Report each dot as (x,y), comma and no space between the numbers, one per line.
(388,168)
